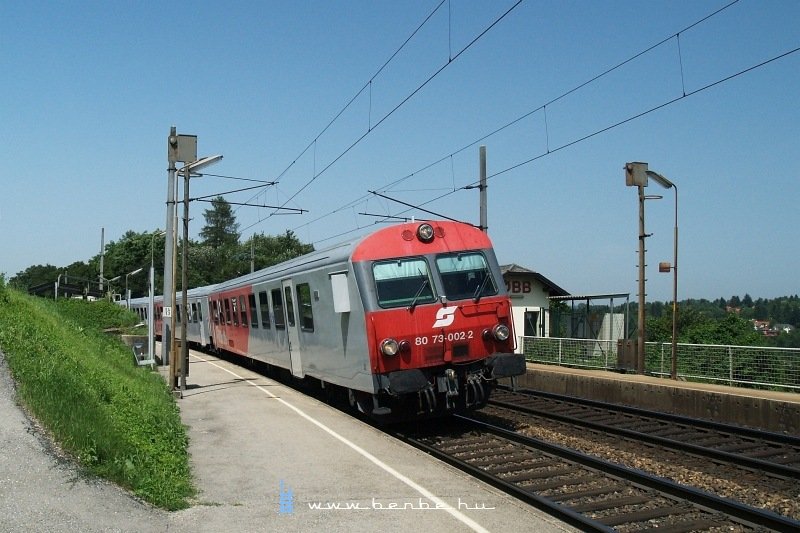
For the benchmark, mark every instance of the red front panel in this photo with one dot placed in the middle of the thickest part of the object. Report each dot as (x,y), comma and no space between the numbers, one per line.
(436,334)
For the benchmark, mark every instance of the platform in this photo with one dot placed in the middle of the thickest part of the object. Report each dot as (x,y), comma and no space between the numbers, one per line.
(269,458)
(768,410)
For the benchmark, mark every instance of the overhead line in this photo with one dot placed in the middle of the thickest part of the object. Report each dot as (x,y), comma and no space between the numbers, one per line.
(541,107)
(398,106)
(359,92)
(607,128)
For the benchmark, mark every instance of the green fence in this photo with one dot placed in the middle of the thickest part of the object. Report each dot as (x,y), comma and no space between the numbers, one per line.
(741,366)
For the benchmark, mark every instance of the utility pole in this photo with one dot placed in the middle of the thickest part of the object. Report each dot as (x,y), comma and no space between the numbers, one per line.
(641,326)
(102,254)
(179,148)
(636,176)
(484,224)
(169,250)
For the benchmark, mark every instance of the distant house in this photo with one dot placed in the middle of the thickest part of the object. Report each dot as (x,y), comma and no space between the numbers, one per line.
(763,327)
(529,292)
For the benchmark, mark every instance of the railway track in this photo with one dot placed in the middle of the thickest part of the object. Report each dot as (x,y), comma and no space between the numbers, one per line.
(584,491)
(761,451)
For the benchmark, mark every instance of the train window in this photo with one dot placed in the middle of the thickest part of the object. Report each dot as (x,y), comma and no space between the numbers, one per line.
(243,310)
(227,303)
(403,282)
(234,311)
(199,315)
(465,275)
(264,305)
(194,313)
(178,312)
(214,311)
(304,303)
(277,309)
(253,312)
(289,306)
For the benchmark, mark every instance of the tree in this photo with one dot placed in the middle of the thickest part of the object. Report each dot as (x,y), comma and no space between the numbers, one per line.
(35,275)
(128,254)
(271,250)
(731,330)
(221,230)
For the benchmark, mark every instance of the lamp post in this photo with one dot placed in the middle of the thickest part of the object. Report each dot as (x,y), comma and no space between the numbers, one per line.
(151,345)
(665,267)
(187,171)
(127,293)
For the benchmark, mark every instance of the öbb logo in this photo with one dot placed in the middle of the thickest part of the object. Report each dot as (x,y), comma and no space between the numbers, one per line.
(445,316)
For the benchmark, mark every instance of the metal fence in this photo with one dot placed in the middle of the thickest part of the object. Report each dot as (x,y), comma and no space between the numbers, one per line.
(740,366)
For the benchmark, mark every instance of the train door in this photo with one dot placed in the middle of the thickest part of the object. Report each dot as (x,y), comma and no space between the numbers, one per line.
(290,310)
(203,310)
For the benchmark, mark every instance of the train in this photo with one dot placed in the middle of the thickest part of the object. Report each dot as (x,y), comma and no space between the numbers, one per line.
(409,321)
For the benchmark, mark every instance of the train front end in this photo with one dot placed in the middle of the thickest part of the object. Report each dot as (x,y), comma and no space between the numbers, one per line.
(438,319)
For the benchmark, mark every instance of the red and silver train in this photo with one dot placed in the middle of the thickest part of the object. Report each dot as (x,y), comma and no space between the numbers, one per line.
(412,320)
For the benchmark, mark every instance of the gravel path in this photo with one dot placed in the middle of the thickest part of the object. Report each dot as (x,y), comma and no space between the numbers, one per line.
(41,491)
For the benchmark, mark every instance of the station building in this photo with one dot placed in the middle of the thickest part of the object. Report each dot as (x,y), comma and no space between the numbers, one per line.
(530,292)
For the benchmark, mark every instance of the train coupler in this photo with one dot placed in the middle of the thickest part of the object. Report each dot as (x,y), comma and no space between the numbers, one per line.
(448,383)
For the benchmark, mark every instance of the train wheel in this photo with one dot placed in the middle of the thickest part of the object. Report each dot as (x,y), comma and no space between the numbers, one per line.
(359,401)
(351,399)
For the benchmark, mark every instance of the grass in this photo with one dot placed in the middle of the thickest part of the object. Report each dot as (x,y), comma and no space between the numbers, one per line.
(119,421)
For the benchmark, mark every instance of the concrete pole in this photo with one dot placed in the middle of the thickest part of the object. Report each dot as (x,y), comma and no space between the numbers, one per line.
(169,250)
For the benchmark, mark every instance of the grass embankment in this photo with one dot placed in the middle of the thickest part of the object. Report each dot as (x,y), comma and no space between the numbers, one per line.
(119,421)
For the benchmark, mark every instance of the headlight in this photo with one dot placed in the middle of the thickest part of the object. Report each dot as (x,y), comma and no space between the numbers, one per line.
(425,232)
(390,347)
(501,332)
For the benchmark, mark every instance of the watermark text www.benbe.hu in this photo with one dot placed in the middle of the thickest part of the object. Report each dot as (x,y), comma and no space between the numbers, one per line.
(420,504)
(286,504)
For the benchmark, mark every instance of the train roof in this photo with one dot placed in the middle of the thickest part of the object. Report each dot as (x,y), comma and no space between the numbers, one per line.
(391,241)
(333,254)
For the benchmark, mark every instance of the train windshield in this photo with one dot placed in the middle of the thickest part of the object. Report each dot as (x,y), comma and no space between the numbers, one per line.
(466,275)
(403,282)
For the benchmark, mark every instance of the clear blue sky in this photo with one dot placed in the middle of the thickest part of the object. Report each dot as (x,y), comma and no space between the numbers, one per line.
(90,89)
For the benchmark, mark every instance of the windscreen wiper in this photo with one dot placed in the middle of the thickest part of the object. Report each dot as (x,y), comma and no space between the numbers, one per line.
(419,292)
(476,296)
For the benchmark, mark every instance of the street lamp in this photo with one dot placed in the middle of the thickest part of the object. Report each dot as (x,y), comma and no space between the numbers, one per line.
(187,171)
(108,282)
(665,267)
(127,292)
